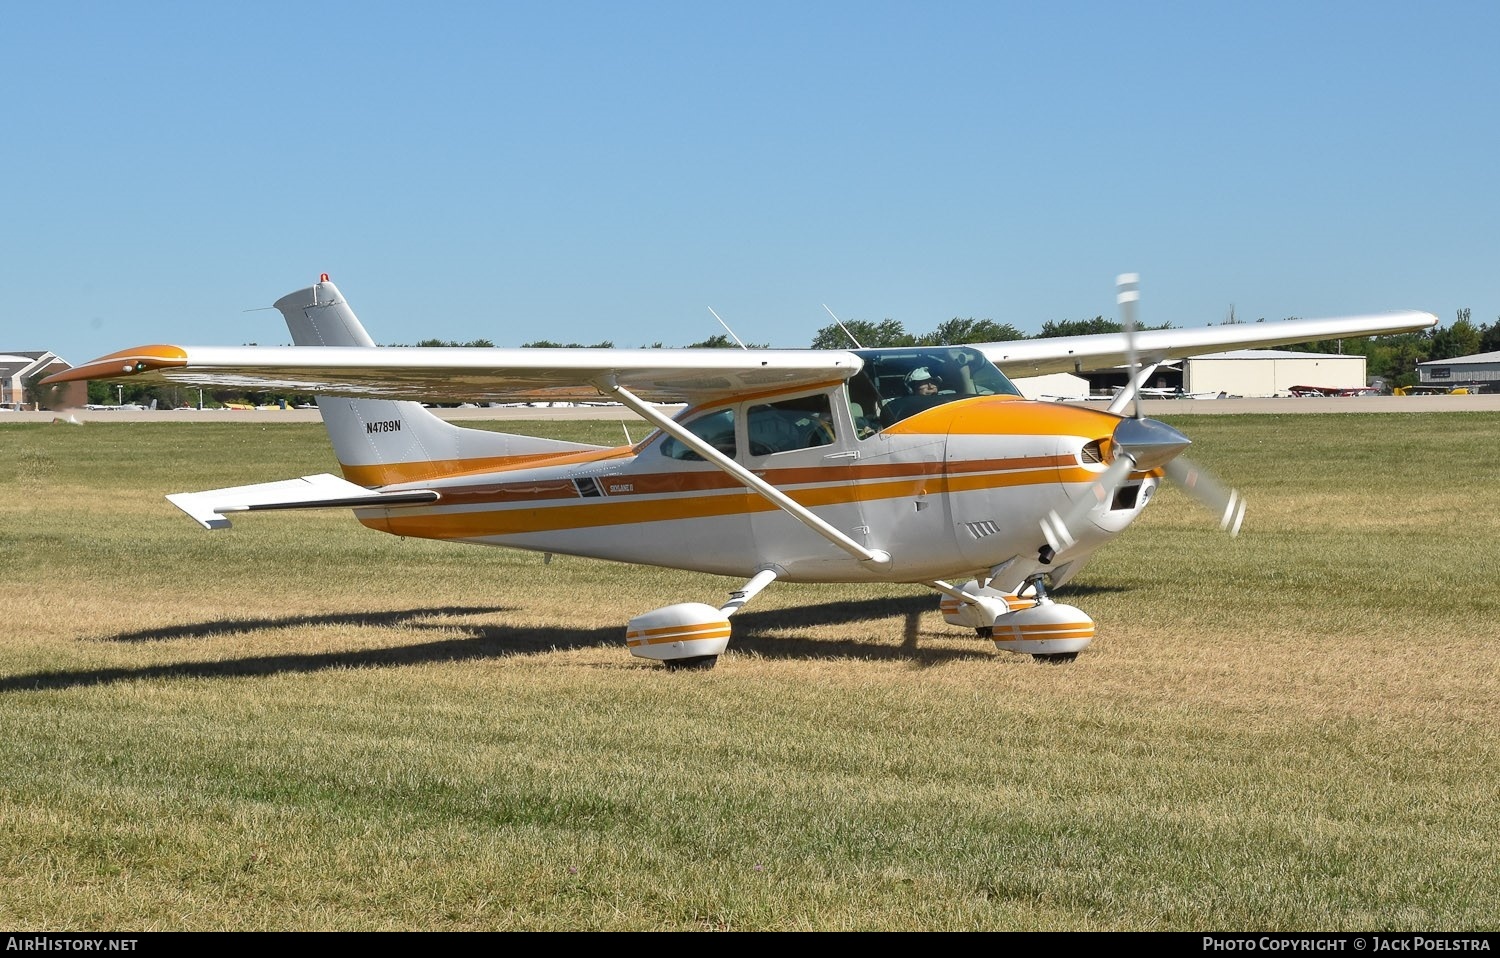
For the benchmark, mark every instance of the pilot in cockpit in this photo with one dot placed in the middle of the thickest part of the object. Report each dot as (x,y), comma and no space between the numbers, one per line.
(922,382)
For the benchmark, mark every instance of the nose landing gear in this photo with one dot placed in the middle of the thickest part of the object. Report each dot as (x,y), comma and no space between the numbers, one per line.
(1028,622)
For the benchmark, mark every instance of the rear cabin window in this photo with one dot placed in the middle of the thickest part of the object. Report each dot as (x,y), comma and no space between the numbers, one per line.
(802,423)
(715,428)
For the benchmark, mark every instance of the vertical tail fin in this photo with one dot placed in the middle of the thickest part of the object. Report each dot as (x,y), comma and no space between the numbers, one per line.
(380,441)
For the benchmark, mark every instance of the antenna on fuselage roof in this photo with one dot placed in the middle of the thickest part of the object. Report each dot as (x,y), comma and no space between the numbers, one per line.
(726,326)
(844,328)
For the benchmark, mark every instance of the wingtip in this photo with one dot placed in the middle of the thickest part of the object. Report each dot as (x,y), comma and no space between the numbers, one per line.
(126,362)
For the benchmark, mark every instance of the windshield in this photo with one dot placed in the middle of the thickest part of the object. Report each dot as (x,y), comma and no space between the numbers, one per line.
(897,383)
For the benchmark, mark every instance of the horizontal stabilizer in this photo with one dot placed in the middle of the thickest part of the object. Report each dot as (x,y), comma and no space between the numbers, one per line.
(310,492)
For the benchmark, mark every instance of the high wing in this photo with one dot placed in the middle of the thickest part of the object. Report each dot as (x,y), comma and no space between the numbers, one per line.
(1079,354)
(468,374)
(478,374)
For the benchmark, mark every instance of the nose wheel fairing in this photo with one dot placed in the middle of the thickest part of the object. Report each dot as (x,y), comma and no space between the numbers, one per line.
(1030,623)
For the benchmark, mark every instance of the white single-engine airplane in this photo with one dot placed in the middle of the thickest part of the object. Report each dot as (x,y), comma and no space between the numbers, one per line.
(802,465)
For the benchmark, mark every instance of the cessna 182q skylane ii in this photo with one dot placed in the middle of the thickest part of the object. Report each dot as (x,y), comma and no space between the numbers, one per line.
(802,465)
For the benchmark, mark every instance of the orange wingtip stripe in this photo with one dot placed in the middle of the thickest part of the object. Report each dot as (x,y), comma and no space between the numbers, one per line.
(126,362)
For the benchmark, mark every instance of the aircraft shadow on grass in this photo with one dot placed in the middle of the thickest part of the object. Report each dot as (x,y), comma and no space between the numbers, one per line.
(868,619)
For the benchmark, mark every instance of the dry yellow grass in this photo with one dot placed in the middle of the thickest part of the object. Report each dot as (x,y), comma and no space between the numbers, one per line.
(302,724)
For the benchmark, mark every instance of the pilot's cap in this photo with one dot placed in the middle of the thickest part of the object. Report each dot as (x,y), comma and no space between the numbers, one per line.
(918,376)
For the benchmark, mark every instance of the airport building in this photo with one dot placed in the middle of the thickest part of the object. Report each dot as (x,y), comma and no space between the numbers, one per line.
(1479,373)
(1257,373)
(1241,373)
(20,371)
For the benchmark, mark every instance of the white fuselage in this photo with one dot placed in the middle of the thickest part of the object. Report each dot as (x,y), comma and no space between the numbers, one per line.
(955,490)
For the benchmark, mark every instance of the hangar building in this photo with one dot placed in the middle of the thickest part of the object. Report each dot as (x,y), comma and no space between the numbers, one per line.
(1249,373)
(1255,373)
(1480,370)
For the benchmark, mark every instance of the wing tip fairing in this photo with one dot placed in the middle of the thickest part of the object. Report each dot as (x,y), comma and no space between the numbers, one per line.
(126,362)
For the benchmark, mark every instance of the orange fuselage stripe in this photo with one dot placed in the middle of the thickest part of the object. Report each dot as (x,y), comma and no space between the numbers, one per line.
(518,507)
(520,514)
(389,474)
(960,475)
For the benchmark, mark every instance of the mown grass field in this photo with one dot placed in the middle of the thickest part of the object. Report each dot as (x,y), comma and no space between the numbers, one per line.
(301,724)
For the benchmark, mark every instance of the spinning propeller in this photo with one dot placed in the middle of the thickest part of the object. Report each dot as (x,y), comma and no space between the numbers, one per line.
(1140,445)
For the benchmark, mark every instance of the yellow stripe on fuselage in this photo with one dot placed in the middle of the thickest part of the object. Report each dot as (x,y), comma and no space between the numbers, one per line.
(512,513)
(389,474)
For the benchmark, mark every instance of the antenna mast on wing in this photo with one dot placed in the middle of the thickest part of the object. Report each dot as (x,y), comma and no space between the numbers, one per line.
(844,328)
(726,326)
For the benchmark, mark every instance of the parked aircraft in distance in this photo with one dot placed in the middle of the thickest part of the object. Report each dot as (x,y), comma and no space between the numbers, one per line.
(1163,392)
(1306,391)
(806,465)
(1453,389)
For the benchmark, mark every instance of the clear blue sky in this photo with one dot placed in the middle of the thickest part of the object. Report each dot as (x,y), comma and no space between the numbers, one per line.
(582,171)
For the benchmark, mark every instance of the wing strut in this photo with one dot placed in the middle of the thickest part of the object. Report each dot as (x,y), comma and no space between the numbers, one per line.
(1132,390)
(878,558)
